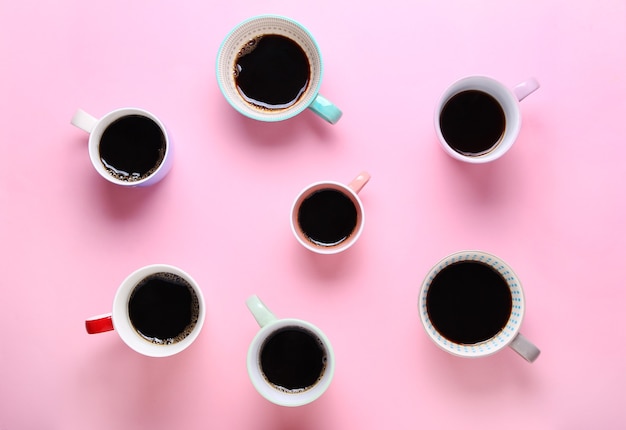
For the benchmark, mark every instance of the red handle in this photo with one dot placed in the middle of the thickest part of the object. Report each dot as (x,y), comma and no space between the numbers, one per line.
(99,324)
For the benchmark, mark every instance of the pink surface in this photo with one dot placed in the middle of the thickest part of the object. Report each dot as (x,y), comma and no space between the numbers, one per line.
(553,208)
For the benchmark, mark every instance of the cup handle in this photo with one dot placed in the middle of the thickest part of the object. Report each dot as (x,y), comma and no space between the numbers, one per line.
(84,121)
(359,182)
(261,313)
(526,88)
(325,109)
(525,348)
(99,324)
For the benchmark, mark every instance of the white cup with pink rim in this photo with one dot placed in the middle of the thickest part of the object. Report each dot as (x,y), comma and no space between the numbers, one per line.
(477,118)
(158,311)
(327,217)
(129,146)
(471,304)
(290,361)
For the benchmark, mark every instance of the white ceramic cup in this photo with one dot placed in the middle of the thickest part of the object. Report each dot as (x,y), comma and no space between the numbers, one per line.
(119,319)
(509,101)
(270,325)
(96,127)
(259,26)
(509,336)
(351,192)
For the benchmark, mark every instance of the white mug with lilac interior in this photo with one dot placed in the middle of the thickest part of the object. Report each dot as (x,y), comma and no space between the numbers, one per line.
(129,147)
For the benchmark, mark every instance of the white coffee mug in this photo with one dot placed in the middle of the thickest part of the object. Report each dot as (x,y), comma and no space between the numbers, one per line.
(238,41)
(508,335)
(507,99)
(175,292)
(158,152)
(303,349)
(343,232)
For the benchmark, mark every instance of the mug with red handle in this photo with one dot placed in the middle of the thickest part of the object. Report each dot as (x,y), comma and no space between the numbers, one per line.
(155,298)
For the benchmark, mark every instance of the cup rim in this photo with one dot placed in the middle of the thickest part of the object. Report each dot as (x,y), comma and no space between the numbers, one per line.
(500,340)
(96,135)
(283,114)
(352,239)
(265,388)
(121,319)
(507,100)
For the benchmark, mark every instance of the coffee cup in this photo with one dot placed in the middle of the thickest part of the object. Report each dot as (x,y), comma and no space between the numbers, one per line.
(327,217)
(269,68)
(290,361)
(471,304)
(128,147)
(478,119)
(158,311)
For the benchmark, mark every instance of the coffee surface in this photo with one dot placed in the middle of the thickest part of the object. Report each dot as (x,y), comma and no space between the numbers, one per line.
(468,302)
(272,72)
(293,359)
(163,308)
(327,217)
(132,147)
(472,122)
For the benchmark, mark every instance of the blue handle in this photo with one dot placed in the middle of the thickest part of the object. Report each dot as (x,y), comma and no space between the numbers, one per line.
(324,108)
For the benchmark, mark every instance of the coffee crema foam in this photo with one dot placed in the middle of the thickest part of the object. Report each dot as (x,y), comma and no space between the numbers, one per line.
(245,50)
(319,349)
(195,308)
(128,177)
(132,148)
(271,72)
(300,390)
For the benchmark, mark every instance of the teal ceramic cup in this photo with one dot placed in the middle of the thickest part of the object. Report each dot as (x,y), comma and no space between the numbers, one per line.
(252,31)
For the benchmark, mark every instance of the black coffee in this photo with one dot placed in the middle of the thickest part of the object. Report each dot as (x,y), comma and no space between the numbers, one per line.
(327,217)
(132,147)
(469,302)
(163,308)
(272,72)
(472,122)
(293,359)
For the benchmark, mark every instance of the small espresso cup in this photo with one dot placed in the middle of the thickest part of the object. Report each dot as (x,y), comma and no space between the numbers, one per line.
(158,311)
(328,217)
(478,119)
(128,147)
(472,304)
(290,361)
(269,68)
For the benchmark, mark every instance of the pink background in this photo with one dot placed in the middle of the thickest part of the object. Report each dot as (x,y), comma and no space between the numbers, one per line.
(553,208)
